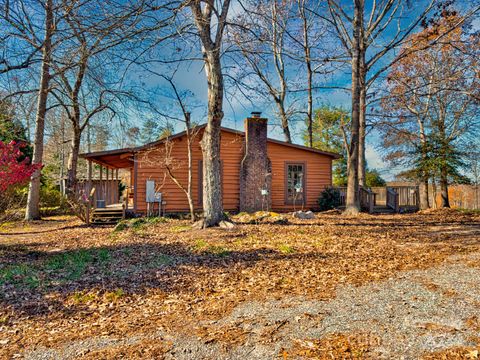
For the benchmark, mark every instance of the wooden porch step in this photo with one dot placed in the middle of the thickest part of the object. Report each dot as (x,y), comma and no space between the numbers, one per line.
(107,210)
(106,216)
(383,210)
(107,213)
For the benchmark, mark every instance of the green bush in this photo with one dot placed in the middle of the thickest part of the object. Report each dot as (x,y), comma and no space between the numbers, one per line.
(50,196)
(329,199)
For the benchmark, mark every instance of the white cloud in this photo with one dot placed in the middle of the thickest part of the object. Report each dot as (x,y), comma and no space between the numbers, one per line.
(374,160)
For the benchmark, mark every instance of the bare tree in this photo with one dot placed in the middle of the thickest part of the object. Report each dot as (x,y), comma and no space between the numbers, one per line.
(260,34)
(368,40)
(20,47)
(88,64)
(171,164)
(33,201)
(211,19)
(431,105)
(191,133)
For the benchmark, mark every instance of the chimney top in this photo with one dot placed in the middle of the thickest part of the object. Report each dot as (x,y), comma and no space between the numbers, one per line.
(256,114)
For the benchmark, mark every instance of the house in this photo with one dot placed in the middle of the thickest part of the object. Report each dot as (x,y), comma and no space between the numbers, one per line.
(258,173)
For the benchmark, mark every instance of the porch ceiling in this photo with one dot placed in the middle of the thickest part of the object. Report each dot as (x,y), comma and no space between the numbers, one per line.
(115,159)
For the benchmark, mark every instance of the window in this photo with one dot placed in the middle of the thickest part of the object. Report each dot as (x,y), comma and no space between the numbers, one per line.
(295,183)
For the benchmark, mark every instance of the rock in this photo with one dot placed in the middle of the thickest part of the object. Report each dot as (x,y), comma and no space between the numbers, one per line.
(304,215)
(224,224)
(199,225)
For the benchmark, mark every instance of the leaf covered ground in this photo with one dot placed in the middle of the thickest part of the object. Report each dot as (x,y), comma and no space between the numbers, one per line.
(157,288)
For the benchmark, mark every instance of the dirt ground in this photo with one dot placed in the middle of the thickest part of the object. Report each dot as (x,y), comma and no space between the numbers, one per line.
(383,286)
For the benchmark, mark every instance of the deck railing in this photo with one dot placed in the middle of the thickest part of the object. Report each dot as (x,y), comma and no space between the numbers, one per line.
(366,199)
(392,199)
(408,196)
(343,194)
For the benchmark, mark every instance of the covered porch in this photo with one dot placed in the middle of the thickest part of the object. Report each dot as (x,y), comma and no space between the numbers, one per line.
(110,183)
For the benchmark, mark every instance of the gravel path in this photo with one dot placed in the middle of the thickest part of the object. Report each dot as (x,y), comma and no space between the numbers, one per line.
(414,313)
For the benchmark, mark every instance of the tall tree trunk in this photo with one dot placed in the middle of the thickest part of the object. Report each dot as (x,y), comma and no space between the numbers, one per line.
(308,63)
(424,204)
(212,182)
(362,164)
(352,202)
(434,193)
(190,166)
(444,187)
(73,162)
(444,163)
(33,201)
(284,120)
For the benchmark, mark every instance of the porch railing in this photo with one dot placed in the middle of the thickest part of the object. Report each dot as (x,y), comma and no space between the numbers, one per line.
(392,199)
(408,196)
(366,199)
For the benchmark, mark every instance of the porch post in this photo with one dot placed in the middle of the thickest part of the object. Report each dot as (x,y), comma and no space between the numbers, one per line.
(89,177)
(117,198)
(89,190)
(107,187)
(112,189)
(100,184)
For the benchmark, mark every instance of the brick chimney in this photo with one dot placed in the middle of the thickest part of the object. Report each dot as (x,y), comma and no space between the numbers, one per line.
(255,168)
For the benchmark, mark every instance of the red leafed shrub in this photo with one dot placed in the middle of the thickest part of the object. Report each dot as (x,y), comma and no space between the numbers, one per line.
(12,170)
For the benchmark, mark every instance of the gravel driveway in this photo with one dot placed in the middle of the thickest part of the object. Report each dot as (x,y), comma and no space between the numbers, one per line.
(414,313)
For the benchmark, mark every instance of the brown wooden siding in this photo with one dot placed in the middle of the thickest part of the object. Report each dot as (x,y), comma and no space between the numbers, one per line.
(150,167)
(318,176)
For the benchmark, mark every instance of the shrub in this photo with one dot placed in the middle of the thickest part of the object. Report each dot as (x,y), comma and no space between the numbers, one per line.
(15,171)
(329,199)
(50,196)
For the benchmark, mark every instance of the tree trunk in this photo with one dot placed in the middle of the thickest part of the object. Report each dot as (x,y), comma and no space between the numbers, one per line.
(362,164)
(434,193)
(190,167)
(445,203)
(284,120)
(444,187)
(73,163)
(33,201)
(424,204)
(212,182)
(352,205)
(308,63)
(424,194)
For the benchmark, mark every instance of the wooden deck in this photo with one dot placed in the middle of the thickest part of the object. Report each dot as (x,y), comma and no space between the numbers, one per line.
(388,199)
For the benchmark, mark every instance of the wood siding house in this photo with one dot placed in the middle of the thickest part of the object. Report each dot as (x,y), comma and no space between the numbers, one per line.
(288,177)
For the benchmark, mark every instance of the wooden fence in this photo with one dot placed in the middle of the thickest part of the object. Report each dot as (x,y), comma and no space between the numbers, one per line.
(460,196)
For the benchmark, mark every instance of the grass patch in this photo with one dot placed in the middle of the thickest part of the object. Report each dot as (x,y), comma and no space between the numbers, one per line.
(115,295)
(82,297)
(200,244)
(469,211)
(138,223)
(286,249)
(21,273)
(68,266)
(219,251)
(180,228)
(203,246)
(160,260)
